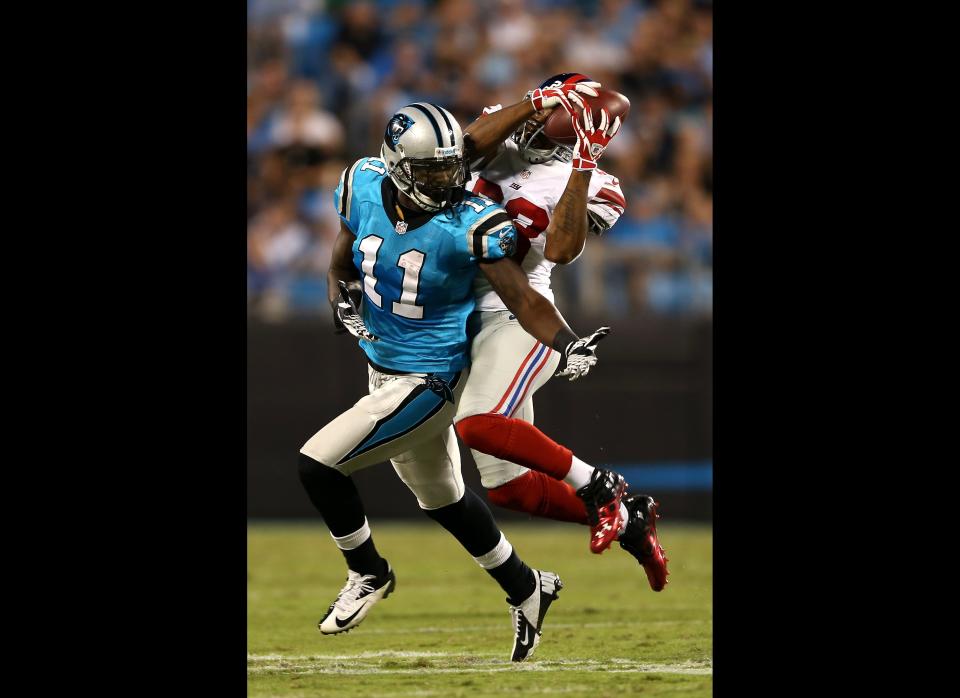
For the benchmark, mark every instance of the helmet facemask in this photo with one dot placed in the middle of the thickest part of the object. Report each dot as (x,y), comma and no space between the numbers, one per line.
(535,147)
(434,183)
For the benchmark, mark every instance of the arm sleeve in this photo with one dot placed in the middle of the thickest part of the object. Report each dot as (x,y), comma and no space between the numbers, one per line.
(491,235)
(343,195)
(606,204)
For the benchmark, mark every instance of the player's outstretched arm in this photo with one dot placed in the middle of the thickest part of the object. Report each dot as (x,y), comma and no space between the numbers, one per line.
(482,137)
(488,131)
(567,231)
(541,319)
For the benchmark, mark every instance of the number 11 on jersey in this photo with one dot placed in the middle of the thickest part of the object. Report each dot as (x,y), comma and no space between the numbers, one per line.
(410,261)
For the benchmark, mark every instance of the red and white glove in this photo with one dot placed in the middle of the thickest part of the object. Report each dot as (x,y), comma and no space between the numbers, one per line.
(591,142)
(564,95)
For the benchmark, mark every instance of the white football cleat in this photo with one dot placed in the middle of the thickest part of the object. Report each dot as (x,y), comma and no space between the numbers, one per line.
(355,600)
(528,616)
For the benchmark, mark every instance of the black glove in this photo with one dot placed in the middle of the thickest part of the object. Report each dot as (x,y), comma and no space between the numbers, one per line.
(346,317)
(580,356)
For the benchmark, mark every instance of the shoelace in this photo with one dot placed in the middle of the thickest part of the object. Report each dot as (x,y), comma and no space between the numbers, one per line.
(352,589)
(515,612)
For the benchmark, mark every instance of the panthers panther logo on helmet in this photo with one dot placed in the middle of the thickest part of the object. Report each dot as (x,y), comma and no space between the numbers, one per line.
(397,126)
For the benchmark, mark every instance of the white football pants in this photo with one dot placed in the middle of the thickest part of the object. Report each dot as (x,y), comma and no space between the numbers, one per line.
(406,418)
(508,367)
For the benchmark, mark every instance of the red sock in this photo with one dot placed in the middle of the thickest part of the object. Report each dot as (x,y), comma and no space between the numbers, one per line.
(537,494)
(516,441)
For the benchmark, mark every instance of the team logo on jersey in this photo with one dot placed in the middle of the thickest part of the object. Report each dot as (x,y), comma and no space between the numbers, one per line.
(507,242)
(397,127)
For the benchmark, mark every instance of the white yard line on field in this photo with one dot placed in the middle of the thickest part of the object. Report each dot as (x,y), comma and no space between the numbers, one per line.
(500,626)
(332,664)
(380,654)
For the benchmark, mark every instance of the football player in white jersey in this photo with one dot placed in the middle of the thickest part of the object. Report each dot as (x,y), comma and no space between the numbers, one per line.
(555,195)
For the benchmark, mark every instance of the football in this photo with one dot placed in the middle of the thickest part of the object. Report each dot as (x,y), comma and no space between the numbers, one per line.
(559,129)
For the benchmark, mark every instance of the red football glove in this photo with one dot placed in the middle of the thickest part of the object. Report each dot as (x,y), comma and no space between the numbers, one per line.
(591,142)
(563,95)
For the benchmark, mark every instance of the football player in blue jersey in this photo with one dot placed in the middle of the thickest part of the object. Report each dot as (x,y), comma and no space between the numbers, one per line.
(401,278)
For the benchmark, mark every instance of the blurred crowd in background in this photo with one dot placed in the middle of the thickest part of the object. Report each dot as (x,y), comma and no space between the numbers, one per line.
(324,77)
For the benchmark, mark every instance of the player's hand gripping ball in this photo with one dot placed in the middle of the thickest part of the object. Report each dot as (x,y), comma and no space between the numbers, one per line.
(563,95)
(589,129)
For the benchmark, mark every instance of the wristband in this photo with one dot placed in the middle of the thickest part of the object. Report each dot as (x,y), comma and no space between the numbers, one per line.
(563,339)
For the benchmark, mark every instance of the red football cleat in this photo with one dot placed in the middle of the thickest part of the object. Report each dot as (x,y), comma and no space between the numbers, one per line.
(602,498)
(640,539)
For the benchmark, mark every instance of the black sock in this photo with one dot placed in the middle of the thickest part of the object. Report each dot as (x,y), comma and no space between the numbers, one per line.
(515,578)
(336,498)
(365,559)
(471,523)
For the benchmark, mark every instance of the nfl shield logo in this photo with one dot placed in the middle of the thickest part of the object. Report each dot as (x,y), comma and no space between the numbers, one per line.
(401,227)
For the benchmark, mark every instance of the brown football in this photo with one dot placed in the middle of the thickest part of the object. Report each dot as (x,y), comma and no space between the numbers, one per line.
(559,129)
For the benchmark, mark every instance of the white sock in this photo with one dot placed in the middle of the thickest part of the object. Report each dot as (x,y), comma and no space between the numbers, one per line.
(579,475)
(496,557)
(624,518)
(355,539)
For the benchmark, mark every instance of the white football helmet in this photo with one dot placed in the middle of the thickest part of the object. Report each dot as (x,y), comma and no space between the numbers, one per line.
(423,150)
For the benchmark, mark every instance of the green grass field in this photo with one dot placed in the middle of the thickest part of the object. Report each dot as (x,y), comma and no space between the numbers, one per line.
(446,630)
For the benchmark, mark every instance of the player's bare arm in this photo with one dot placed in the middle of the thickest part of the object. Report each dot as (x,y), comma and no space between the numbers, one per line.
(343,288)
(341,263)
(482,137)
(536,314)
(567,231)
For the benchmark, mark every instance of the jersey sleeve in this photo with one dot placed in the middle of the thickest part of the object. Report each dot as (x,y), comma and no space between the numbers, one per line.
(491,235)
(351,179)
(606,203)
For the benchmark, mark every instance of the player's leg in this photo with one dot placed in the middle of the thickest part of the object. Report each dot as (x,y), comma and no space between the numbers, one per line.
(508,367)
(399,413)
(514,487)
(432,471)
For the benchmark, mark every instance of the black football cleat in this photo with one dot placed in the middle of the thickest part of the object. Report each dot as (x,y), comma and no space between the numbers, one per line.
(602,497)
(640,539)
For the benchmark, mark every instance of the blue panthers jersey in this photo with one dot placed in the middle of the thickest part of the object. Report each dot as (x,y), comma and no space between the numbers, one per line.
(417,274)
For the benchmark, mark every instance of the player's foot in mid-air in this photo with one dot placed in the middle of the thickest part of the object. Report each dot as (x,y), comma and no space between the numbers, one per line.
(602,497)
(528,615)
(355,600)
(640,539)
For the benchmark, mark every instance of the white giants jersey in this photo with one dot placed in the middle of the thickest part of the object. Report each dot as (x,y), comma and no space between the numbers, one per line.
(529,193)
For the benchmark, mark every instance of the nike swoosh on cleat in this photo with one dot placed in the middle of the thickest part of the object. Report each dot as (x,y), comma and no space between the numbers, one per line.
(342,623)
(526,636)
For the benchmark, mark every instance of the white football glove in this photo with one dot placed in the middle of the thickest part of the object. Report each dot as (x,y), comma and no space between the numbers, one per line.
(347,317)
(564,95)
(581,355)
